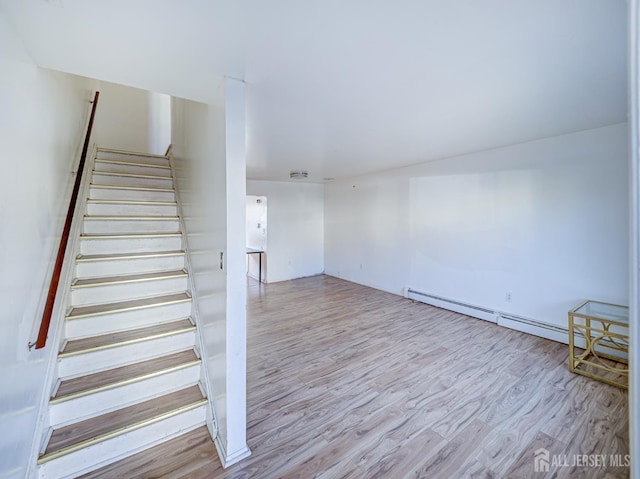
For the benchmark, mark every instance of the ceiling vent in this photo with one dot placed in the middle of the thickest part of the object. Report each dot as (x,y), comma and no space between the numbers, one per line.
(298,174)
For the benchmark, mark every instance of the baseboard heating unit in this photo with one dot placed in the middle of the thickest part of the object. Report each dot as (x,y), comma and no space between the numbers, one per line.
(451,305)
(519,323)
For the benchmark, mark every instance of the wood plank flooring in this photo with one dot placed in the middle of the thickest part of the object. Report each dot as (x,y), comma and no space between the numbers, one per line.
(349,382)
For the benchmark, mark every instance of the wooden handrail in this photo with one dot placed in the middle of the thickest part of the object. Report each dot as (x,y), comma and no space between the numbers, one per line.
(57,269)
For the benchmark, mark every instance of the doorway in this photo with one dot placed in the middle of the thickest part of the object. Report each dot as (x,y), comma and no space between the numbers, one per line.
(257,237)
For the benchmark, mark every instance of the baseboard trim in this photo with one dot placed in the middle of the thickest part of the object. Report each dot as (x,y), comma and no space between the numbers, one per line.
(363,283)
(452,305)
(230,459)
(537,328)
(541,329)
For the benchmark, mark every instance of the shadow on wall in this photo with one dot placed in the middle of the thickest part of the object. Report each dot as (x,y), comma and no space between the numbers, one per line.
(133,119)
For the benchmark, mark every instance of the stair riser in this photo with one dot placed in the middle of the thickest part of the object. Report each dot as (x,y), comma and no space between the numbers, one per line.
(109,323)
(110,209)
(134,169)
(91,362)
(136,195)
(77,463)
(126,291)
(150,160)
(130,245)
(88,269)
(98,179)
(130,226)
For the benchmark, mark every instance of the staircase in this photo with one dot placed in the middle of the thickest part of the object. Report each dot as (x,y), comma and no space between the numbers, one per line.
(129,371)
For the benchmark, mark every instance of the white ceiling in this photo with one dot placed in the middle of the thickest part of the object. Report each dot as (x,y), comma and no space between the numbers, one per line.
(346,87)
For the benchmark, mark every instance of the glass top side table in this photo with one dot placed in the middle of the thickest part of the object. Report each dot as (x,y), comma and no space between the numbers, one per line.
(599,342)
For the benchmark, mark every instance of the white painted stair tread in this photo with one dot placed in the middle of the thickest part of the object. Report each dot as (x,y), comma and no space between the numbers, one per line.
(113,340)
(132,175)
(131,179)
(130,153)
(119,256)
(90,383)
(131,207)
(128,235)
(124,187)
(120,421)
(129,218)
(109,191)
(118,166)
(132,202)
(107,308)
(128,278)
(116,225)
(132,163)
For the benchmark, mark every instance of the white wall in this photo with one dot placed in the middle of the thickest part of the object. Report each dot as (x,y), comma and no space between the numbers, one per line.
(133,119)
(199,160)
(367,227)
(295,240)
(159,132)
(208,149)
(42,121)
(545,221)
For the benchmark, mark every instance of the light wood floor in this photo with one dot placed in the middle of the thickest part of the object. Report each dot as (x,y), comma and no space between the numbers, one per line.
(349,382)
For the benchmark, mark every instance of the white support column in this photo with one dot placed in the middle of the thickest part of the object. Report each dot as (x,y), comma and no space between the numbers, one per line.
(236,364)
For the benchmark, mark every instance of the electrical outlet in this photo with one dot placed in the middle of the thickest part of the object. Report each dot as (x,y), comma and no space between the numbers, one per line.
(507,297)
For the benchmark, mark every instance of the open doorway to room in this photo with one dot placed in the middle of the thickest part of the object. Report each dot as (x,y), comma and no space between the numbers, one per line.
(257,237)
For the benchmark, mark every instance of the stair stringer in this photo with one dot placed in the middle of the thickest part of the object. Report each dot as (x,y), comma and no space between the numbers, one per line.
(212,422)
(61,305)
